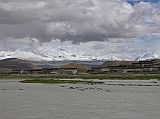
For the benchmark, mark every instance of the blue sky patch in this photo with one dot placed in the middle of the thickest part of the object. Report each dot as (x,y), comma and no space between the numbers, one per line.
(133,2)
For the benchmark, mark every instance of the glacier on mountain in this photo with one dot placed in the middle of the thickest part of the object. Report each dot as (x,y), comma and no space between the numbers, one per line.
(148,56)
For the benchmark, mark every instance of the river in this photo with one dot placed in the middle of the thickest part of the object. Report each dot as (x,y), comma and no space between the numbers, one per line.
(80,101)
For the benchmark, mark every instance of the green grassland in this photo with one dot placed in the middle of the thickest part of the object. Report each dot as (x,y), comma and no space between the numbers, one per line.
(85,76)
(56,81)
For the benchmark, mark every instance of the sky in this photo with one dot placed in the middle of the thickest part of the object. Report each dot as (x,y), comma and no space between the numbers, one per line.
(98,28)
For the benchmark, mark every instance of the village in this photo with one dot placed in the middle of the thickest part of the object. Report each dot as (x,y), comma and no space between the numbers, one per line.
(109,67)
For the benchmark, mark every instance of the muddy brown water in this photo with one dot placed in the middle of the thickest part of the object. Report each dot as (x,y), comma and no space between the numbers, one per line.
(80,101)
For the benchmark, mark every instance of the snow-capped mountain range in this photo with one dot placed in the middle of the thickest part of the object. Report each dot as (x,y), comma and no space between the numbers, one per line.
(59,55)
(62,54)
(147,56)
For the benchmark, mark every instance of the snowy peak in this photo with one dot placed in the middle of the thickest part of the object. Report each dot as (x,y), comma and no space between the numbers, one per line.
(147,56)
(24,55)
(59,55)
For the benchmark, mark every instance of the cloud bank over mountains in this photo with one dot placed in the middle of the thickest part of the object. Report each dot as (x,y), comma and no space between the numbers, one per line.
(103,28)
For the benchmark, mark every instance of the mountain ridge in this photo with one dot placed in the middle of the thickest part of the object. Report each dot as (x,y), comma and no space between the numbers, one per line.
(44,56)
(64,56)
(17,64)
(148,56)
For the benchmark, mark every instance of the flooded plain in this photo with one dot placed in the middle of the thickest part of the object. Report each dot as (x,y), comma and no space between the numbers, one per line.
(112,100)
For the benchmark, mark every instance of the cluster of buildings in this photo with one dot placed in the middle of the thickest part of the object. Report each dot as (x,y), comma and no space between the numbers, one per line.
(71,68)
(148,66)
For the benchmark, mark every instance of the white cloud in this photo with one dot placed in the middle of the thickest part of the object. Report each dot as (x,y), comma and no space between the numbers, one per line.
(79,20)
(21,5)
(86,23)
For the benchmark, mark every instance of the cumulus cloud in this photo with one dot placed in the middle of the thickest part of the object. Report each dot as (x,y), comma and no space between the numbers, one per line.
(97,22)
(78,21)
